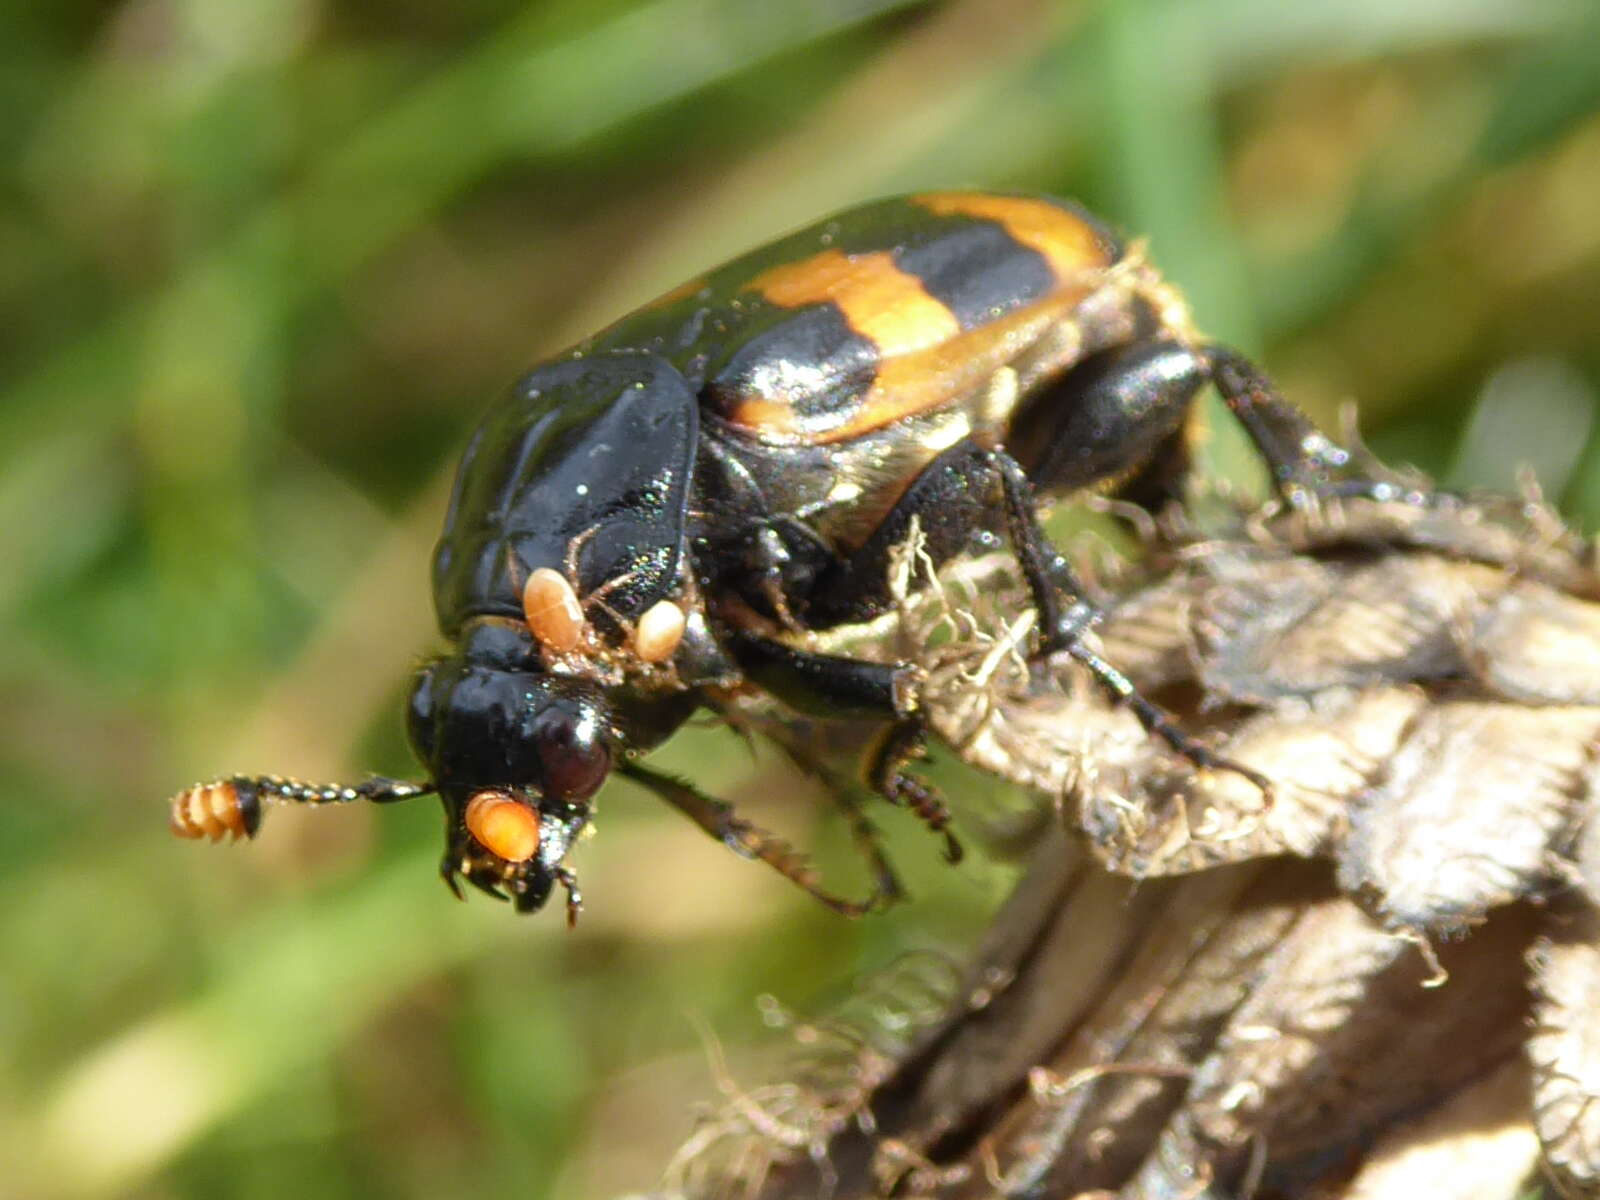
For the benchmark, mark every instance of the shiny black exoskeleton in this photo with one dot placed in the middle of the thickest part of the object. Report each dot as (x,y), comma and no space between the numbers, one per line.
(669,510)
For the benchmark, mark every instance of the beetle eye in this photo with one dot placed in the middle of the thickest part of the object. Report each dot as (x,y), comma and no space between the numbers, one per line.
(573,751)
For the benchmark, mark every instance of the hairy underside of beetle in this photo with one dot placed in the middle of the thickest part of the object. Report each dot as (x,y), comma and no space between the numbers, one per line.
(1377,982)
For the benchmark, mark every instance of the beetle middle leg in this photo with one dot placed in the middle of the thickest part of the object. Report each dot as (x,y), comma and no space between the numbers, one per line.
(965,490)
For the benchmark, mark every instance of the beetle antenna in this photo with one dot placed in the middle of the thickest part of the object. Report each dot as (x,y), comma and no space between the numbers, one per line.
(232,806)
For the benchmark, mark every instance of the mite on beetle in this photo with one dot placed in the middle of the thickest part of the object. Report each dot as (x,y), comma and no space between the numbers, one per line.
(676,506)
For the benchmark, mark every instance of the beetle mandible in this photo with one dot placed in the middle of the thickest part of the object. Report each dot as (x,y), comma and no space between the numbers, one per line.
(672,507)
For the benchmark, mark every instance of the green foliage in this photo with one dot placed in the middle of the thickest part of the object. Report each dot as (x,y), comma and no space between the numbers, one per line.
(262,262)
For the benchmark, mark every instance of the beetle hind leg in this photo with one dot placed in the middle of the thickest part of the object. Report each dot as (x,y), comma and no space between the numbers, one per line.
(1306,465)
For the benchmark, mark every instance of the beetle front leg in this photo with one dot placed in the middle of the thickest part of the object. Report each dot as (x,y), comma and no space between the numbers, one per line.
(826,685)
(831,686)
(718,819)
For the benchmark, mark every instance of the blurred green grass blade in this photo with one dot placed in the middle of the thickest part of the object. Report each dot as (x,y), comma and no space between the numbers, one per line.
(1541,95)
(1018,131)
(1262,34)
(74,476)
(292,988)
(1555,84)
(514,96)
(1163,146)
(1533,414)
(1167,166)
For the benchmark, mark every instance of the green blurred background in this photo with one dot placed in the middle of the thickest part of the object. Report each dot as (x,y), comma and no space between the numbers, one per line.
(262,263)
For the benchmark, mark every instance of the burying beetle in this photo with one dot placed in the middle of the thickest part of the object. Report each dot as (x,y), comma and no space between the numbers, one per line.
(674,507)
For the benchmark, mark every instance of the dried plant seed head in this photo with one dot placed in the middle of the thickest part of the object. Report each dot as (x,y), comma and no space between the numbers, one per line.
(503,825)
(659,632)
(552,611)
(215,810)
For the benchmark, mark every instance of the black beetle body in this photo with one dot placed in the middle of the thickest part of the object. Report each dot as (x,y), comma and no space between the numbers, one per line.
(672,507)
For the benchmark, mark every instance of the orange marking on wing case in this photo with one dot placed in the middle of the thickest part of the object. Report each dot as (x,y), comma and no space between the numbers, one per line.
(887,306)
(1068,242)
(774,419)
(951,370)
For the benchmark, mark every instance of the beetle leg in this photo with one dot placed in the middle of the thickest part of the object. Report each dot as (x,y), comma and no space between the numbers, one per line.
(953,499)
(1117,416)
(770,557)
(718,819)
(903,744)
(886,884)
(825,685)
(1064,617)
(832,686)
(1303,460)
(1158,722)
(569,881)
(848,800)
(792,738)
(957,493)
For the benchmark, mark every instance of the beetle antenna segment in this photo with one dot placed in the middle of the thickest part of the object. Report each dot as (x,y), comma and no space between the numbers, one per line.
(222,808)
(232,806)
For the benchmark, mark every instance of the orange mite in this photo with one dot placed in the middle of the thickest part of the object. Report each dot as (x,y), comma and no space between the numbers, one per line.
(503,825)
(552,611)
(659,632)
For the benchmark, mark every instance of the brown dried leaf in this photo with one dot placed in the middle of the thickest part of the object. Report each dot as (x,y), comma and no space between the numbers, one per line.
(1201,991)
(1564,1052)
(1467,815)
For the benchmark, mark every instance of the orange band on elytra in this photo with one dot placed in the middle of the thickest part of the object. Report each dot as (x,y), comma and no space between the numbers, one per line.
(1068,243)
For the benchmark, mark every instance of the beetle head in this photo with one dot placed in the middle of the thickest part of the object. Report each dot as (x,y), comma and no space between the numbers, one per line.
(515,755)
